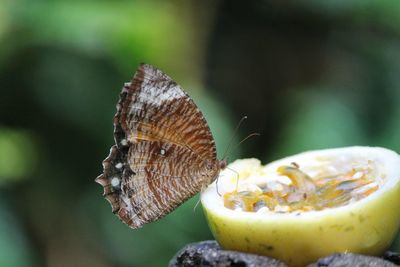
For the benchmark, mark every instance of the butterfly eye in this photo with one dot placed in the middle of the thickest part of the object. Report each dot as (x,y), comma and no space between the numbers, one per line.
(209,166)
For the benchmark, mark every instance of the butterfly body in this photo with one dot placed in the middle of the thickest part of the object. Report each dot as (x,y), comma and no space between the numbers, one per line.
(164,151)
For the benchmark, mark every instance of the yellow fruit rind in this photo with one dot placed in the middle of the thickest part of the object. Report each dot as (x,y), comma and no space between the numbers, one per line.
(362,229)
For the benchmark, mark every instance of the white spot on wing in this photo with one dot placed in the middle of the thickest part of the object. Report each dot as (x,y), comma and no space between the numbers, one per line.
(115,182)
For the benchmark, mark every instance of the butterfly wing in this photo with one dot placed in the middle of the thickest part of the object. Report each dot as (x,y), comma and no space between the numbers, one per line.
(154,107)
(164,150)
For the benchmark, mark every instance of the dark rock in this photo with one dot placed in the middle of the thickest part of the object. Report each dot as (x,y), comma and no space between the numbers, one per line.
(210,254)
(351,260)
(392,256)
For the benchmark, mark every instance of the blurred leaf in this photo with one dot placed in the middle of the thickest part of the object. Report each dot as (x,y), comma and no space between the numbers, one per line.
(390,135)
(133,31)
(17,155)
(14,250)
(76,89)
(396,244)
(4,19)
(383,12)
(322,121)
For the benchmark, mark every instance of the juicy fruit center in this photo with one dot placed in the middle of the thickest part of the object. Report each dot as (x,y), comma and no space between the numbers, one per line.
(299,192)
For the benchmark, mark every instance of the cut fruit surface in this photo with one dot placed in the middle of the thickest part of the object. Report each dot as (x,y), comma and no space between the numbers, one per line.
(309,205)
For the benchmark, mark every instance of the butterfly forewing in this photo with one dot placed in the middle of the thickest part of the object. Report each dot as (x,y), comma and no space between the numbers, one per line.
(164,151)
(156,108)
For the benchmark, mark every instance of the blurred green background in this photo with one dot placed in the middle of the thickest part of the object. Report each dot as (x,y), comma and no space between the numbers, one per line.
(309,74)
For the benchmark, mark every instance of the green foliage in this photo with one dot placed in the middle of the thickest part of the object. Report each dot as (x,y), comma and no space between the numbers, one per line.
(320,121)
(17,155)
(14,248)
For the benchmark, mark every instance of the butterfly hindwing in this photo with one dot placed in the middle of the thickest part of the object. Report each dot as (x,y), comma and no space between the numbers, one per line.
(163,176)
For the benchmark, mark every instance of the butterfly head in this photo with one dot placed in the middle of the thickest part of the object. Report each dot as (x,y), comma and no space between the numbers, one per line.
(222,164)
(213,169)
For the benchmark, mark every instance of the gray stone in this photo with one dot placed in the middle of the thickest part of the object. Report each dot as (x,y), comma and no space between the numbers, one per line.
(351,260)
(210,254)
(392,256)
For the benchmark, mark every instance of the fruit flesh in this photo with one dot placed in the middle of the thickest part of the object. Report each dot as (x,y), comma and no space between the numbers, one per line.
(367,225)
(304,193)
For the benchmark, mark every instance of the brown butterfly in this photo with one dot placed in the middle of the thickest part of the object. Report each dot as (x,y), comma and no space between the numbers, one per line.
(164,151)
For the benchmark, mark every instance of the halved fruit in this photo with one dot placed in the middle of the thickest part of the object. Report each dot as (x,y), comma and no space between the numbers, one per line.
(309,205)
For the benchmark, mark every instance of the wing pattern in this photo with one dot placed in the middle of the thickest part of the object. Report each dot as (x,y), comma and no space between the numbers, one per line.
(164,152)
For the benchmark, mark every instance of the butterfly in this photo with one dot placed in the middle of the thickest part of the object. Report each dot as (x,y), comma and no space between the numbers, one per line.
(164,151)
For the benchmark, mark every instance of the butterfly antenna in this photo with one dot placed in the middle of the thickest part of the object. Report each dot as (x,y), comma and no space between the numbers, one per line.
(216,187)
(195,206)
(233,136)
(237,177)
(244,139)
